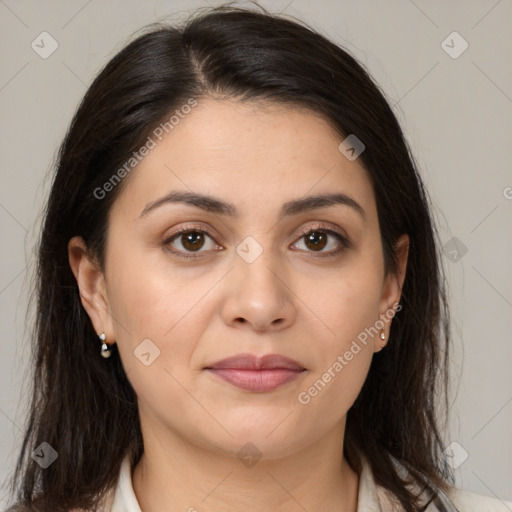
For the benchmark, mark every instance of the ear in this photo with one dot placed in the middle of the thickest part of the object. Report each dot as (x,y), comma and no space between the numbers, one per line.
(92,287)
(392,289)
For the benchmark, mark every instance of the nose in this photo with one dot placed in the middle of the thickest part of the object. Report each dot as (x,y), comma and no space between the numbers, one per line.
(257,296)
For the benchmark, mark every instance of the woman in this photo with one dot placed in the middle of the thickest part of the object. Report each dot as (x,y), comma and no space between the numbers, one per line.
(240,300)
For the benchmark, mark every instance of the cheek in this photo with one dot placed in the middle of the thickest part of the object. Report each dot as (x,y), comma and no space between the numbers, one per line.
(149,302)
(348,308)
(147,297)
(346,302)
(343,356)
(160,317)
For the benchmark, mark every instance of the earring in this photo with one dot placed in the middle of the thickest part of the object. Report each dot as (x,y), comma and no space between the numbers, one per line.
(105,349)
(382,336)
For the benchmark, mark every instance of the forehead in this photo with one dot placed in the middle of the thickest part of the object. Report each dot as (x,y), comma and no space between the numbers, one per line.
(254,154)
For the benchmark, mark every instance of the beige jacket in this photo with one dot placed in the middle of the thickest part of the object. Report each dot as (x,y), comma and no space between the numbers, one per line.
(371,497)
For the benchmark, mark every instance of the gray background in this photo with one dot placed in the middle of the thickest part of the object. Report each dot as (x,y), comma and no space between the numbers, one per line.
(456,113)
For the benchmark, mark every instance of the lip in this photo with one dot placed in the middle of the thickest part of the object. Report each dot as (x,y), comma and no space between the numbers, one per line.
(251,373)
(253,362)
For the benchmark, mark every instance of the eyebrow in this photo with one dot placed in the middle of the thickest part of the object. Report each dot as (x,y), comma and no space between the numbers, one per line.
(214,205)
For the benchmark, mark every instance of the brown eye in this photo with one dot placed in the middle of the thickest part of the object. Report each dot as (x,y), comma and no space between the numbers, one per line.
(193,240)
(316,240)
(190,243)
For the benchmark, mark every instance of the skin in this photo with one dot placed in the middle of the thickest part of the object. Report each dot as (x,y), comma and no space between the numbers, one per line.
(292,300)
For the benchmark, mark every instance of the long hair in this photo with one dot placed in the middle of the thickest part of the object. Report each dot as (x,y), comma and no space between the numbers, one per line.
(82,405)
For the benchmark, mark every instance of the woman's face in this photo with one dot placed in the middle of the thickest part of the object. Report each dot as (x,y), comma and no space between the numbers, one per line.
(252,283)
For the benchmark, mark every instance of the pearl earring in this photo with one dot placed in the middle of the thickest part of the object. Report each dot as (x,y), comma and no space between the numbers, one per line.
(382,336)
(105,350)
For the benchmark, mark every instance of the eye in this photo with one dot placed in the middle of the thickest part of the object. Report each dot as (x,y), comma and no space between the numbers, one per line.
(191,240)
(317,239)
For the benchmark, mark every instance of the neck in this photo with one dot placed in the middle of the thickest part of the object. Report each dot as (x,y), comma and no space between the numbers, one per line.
(177,475)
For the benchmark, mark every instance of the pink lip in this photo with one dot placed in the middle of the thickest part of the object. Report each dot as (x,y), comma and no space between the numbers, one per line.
(255,374)
(258,381)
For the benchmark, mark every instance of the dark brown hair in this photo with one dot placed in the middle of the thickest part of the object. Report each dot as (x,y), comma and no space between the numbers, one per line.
(84,405)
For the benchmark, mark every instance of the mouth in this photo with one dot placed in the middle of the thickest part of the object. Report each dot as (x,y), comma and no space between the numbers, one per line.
(259,375)
(258,381)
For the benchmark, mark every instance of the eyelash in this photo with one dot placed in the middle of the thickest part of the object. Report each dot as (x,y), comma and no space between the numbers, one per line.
(321,228)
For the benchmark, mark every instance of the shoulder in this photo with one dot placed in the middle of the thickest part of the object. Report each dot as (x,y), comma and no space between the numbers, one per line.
(467,501)
(452,499)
